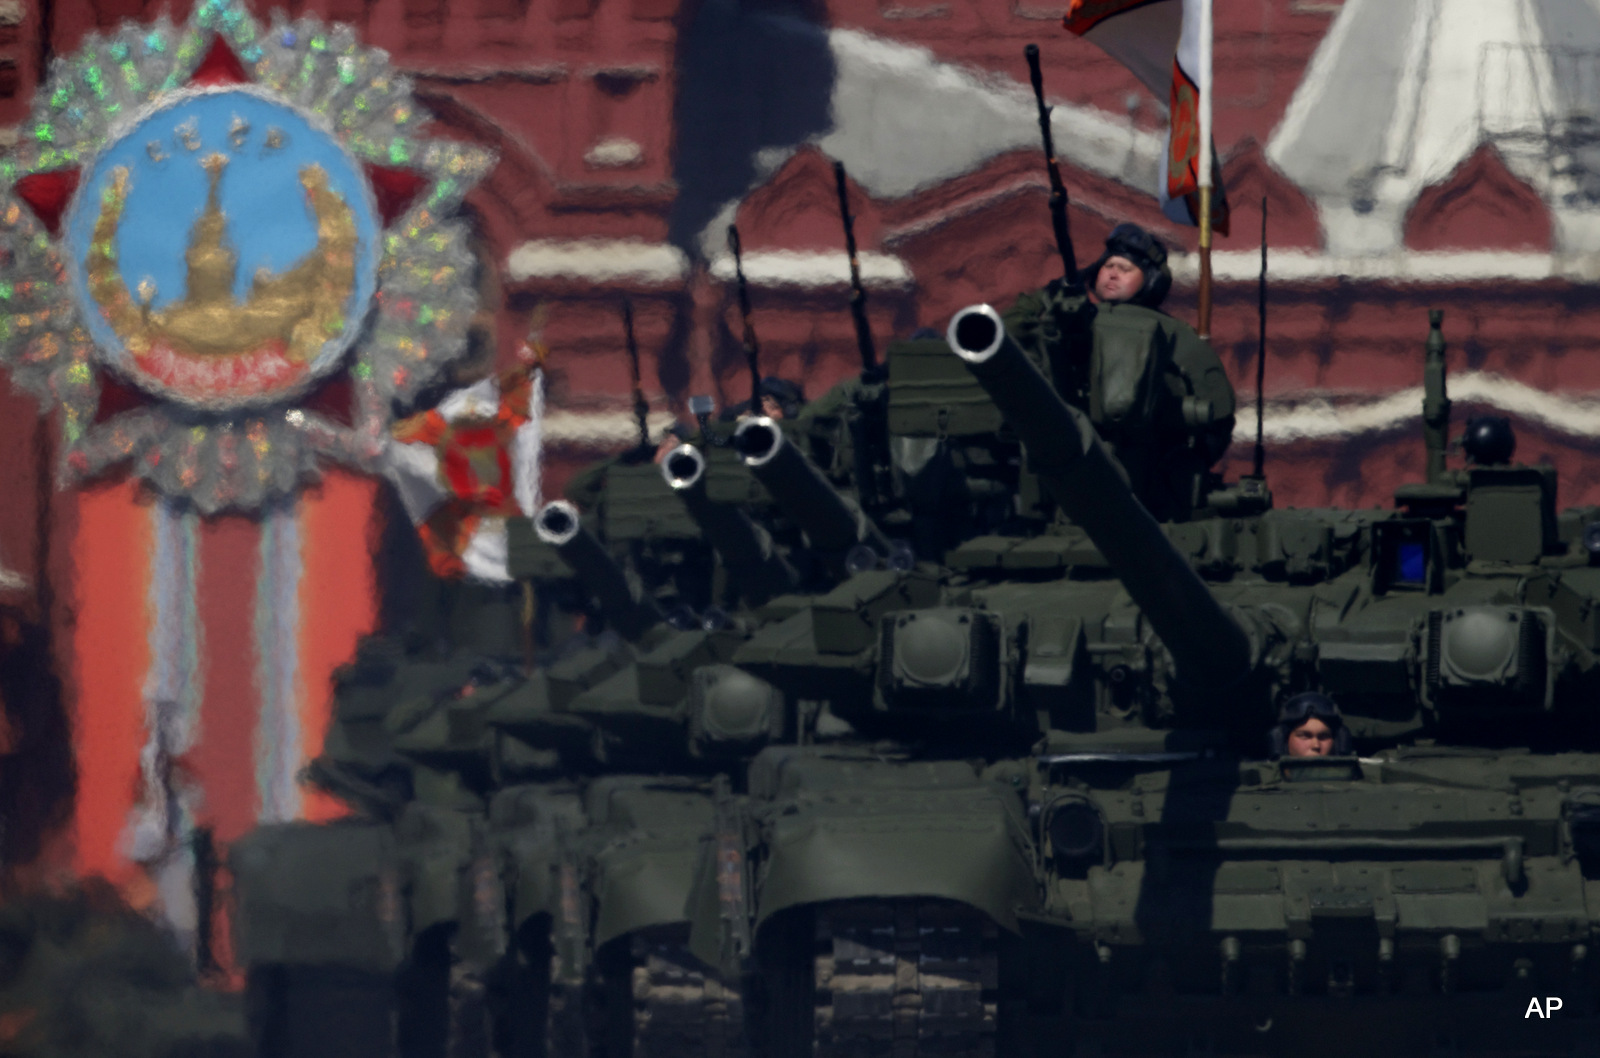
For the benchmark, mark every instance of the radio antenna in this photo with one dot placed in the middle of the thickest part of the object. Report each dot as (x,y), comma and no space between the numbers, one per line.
(858,293)
(1261,350)
(752,351)
(641,408)
(1058,190)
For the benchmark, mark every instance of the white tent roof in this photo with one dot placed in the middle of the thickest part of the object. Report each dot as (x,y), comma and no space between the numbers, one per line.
(905,120)
(1399,94)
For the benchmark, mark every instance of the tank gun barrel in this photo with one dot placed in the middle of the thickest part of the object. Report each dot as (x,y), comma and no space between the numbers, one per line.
(745,547)
(1206,641)
(830,521)
(557,525)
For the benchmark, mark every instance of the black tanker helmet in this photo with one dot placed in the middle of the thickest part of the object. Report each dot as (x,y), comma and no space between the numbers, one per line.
(1147,254)
(790,397)
(1302,707)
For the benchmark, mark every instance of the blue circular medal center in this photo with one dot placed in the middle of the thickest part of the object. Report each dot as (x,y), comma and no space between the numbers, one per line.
(266,149)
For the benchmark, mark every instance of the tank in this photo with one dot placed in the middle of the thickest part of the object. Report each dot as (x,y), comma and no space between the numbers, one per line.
(673,729)
(1054,826)
(608,885)
(858,880)
(653,739)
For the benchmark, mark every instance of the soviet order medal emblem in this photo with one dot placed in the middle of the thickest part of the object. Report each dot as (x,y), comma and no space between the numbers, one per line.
(227,249)
(227,254)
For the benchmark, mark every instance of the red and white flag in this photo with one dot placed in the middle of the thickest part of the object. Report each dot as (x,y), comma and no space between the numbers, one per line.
(462,468)
(1159,41)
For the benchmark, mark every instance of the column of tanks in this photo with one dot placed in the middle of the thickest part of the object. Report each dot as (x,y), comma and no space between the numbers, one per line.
(903,727)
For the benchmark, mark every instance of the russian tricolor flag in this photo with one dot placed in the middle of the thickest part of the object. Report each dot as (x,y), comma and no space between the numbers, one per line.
(1159,41)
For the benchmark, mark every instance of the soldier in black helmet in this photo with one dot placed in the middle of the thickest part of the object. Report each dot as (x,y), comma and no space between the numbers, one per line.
(1132,270)
(1310,725)
(780,399)
(1153,388)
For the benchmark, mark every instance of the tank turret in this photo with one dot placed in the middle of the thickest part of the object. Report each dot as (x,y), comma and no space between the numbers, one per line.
(1205,640)
(758,570)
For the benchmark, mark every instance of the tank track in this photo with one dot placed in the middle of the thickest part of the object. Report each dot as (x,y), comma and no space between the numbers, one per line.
(658,1001)
(681,1009)
(470,1029)
(567,1029)
(905,979)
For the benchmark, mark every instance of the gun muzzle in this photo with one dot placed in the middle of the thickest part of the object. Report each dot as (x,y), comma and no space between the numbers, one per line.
(976,333)
(683,468)
(758,440)
(557,524)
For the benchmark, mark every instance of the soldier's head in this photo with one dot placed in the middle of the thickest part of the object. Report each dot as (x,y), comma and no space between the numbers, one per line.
(1310,725)
(780,398)
(776,398)
(1132,269)
(677,434)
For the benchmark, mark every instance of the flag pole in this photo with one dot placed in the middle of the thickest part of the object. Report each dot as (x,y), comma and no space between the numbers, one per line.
(1205,169)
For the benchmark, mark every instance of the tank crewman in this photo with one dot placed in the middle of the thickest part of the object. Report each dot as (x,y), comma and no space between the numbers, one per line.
(780,399)
(675,435)
(1154,389)
(1310,725)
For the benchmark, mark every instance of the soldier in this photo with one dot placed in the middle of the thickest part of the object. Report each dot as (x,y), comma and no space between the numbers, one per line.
(1310,725)
(780,399)
(1153,388)
(676,434)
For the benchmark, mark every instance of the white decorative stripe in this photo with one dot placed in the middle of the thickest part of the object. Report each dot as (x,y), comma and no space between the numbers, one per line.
(534,73)
(1325,418)
(1310,417)
(600,428)
(1288,266)
(597,260)
(813,268)
(529,448)
(487,553)
(278,746)
(163,821)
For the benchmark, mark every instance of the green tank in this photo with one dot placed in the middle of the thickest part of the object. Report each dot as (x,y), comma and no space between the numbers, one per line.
(659,737)
(1054,825)
(606,889)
